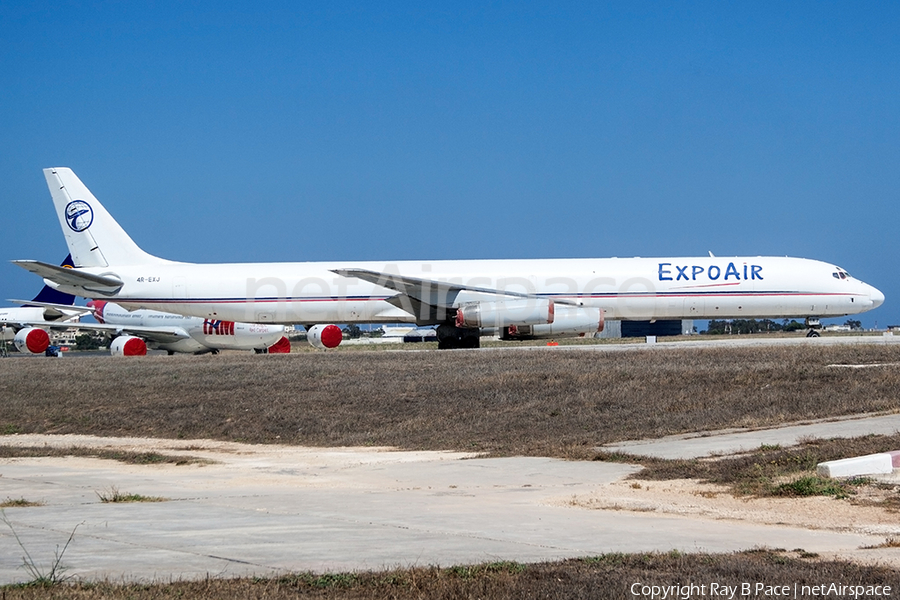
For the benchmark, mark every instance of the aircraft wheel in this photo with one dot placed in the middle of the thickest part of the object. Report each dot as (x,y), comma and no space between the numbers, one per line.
(812,333)
(452,338)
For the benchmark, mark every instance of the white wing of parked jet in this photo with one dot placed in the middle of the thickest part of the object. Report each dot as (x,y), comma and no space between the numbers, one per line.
(163,335)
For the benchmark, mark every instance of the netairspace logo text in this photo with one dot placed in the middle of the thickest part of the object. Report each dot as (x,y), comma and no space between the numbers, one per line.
(756,590)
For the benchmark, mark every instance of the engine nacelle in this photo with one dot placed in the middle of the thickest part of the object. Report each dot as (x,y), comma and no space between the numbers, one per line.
(128,345)
(570,321)
(520,311)
(282,346)
(32,340)
(324,337)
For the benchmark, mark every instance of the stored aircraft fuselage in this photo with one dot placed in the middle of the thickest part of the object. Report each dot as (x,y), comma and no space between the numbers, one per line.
(625,288)
(199,334)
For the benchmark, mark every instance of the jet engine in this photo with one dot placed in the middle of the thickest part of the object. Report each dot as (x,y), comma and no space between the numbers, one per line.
(32,340)
(128,345)
(324,336)
(569,321)
(282,346)
(524,311)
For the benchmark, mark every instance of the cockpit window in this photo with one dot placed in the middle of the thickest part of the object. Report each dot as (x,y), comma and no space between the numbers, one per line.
(841,274)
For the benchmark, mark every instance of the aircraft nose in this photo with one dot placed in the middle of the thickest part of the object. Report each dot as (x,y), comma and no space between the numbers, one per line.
(876,297)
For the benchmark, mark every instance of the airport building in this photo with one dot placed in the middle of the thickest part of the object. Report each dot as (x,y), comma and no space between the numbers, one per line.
(659,328)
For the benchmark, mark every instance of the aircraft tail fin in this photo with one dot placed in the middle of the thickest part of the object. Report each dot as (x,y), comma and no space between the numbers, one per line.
(94,237)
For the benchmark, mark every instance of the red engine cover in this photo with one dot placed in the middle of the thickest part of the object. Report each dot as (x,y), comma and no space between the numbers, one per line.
(324,336)
(32,340)
(126,345)
(282,346)
(135,347)
(332,336)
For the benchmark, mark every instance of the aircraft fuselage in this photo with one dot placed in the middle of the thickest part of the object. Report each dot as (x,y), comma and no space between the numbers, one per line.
(625,288)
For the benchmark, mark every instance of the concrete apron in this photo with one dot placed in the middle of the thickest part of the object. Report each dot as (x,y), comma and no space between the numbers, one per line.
(267,510)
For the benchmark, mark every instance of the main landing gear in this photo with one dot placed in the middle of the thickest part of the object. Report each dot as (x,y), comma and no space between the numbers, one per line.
(451,337)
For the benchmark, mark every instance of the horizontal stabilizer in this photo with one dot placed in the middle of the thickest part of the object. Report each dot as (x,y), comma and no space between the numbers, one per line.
(72,278)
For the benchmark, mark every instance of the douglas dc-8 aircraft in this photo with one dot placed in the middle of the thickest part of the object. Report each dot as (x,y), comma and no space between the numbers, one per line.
(517,298)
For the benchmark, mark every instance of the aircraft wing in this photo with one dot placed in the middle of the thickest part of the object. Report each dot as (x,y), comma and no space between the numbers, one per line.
(163,335)
(72,277)
(23,323)
(429,300)
(431,291)
(62,310)
(20,324)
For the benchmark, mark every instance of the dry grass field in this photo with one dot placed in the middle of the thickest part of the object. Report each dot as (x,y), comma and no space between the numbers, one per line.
(539,402)
(609,576)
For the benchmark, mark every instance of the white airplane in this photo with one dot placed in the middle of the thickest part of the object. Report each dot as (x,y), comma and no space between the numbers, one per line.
(518,298)
(177,333)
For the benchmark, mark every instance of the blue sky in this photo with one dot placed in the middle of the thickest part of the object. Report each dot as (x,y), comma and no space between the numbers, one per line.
(287,131)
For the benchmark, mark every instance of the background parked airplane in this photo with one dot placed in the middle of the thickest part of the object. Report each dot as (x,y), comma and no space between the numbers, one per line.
(177,333)
(135,330)
(519,298)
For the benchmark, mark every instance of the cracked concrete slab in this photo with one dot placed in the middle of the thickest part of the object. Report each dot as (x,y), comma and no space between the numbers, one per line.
(271,509)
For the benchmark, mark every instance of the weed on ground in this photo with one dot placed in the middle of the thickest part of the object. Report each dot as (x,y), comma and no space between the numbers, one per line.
(113,495)
(19,503)
(129,457)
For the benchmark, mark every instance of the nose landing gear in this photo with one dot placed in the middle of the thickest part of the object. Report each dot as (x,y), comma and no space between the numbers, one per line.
(813,327)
